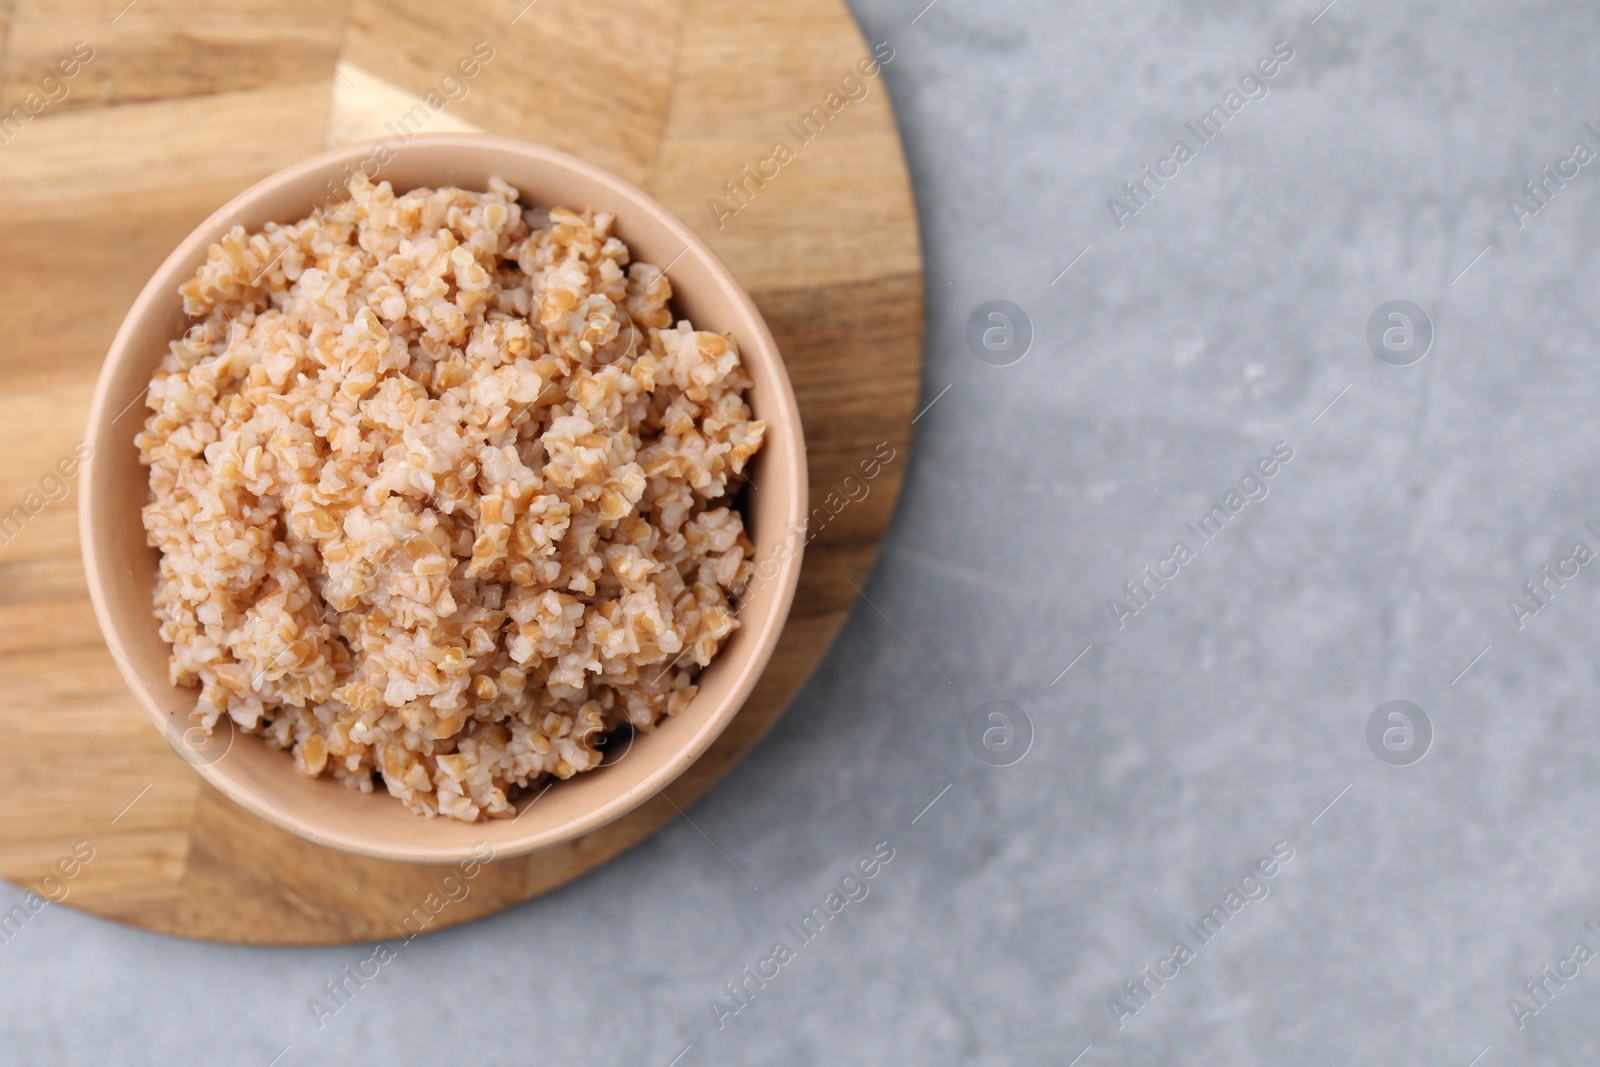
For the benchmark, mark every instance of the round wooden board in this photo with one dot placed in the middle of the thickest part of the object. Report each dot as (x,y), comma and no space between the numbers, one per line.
(184,104)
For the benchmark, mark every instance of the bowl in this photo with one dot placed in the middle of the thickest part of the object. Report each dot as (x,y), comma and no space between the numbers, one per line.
(121,567)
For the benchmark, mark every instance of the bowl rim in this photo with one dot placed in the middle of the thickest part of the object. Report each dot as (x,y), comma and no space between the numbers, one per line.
(764,631)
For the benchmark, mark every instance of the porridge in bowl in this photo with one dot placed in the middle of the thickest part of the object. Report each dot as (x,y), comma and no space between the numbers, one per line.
(443,494)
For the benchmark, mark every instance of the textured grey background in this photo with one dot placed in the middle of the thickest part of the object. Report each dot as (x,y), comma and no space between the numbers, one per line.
(1220,720)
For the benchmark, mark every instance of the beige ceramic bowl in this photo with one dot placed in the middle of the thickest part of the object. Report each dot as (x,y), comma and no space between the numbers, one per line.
(121,568)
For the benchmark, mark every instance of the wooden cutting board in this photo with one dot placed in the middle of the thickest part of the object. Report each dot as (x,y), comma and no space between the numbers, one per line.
(180,105)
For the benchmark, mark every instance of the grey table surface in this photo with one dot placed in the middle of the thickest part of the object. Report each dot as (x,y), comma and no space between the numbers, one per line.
(1221,715)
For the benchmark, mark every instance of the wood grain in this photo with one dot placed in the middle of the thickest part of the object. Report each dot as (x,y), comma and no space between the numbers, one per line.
(170,49)
(186,103)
